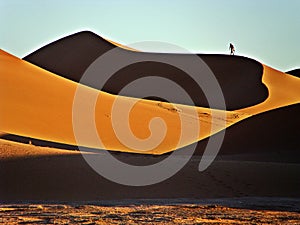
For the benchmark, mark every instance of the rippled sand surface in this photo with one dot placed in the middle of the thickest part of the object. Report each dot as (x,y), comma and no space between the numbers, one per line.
(143,214)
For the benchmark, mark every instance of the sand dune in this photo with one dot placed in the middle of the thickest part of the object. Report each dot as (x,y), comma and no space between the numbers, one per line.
(283,91)
(236,75)
(239,77)
(37,103)
(270,136)
(243,81)
(275,129)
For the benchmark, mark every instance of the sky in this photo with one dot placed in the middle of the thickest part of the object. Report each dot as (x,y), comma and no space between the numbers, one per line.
(268,31)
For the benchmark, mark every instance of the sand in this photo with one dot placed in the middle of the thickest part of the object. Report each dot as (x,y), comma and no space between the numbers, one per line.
(239,77)
(283,91)
(44,106)
(142,214)
(44,110)
(47,185)
(245,83)
(255,179)
(55,175)
(15,150)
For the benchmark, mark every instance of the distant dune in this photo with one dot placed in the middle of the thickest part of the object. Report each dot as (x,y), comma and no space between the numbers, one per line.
(239,77)
(295,72)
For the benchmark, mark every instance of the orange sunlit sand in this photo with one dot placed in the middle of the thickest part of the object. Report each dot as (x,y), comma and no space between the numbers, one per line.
(39,104)
(284,90)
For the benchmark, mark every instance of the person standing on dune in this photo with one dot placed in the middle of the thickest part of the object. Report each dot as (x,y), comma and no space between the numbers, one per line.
(232,49)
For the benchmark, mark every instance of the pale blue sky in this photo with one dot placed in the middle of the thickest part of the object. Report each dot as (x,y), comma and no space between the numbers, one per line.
(265,30)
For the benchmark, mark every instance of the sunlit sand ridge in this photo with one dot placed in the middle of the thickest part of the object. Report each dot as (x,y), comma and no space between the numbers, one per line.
(38,104)
(121,46)
(284,90)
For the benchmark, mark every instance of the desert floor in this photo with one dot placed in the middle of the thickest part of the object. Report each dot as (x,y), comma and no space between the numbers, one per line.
(161,213)
(47,185)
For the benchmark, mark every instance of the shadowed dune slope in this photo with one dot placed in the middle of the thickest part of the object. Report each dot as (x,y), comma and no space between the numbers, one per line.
(71,55)
(276,131)
(295,72)
(239,77)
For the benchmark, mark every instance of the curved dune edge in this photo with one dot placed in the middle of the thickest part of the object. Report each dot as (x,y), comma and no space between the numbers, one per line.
(38,104)
(284,90)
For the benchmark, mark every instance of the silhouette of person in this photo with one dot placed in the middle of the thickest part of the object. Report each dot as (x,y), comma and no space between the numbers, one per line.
(232,49)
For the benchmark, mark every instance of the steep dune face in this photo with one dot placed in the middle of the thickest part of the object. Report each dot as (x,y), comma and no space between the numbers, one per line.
(40,104)
(273,131)
(239,77)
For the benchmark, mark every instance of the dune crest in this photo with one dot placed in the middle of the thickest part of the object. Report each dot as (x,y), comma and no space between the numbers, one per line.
(121,46)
